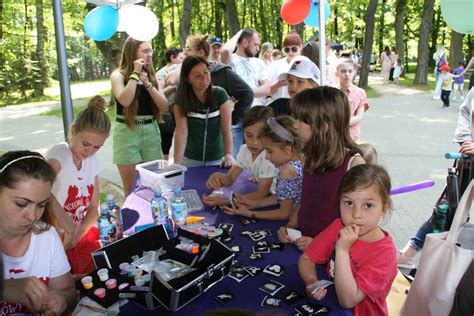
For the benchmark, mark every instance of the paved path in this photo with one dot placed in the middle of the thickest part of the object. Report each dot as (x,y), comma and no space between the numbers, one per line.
(411,133)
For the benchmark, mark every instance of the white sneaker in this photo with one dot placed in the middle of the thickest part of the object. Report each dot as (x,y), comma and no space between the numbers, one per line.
(454,99)
(405,262)
(436,98)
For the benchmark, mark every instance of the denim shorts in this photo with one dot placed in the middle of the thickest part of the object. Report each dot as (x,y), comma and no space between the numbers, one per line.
(137,145)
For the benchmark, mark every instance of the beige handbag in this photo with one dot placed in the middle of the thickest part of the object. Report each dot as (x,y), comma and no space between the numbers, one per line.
(442,265)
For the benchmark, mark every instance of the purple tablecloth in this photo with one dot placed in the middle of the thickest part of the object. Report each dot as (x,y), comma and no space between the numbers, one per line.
(247,295)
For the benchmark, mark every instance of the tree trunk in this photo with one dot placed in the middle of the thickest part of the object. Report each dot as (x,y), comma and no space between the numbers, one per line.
(381,26)
(185,23)
(434,34)
(42,81)
(218,9)
(172,23)
(455,49)
(232,17)
(369,19)
(336,24)
(421,76)
(399,22)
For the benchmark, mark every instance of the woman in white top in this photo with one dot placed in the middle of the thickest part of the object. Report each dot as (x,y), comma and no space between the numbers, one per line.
(35,268)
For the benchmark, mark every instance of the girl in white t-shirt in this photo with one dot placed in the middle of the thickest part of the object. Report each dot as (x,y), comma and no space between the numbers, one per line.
(75,199)
(35,268)
(252,156)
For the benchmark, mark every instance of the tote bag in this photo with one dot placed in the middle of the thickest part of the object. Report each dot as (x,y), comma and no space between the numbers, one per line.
(441,267)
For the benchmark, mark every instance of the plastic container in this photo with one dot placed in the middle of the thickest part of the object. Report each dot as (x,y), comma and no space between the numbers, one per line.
(159,173)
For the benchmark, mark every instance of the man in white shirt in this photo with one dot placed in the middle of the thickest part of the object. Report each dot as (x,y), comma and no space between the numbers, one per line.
(246,65)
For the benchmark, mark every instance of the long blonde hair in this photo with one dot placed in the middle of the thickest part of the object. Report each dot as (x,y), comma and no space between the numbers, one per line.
(129,55)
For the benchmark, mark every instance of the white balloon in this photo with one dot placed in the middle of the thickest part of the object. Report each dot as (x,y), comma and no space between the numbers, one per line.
(140,23)
(122,19)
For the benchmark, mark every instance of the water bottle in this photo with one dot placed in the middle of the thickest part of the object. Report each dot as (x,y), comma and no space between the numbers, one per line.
(114,210)
(453,193)
(159,209)
(104,225)
(440,218)
(178,207)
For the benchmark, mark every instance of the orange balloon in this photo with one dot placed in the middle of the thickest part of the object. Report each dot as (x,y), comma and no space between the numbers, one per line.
(295,11)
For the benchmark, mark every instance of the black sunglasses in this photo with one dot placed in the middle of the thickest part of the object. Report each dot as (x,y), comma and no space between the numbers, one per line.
(294,49)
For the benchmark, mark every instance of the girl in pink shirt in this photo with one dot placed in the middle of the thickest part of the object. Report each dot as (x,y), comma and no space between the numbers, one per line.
(346,71)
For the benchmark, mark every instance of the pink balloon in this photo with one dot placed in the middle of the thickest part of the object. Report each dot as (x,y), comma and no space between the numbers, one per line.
(295,11)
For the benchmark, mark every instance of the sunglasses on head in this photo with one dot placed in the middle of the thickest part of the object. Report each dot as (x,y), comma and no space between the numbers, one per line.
(287,49)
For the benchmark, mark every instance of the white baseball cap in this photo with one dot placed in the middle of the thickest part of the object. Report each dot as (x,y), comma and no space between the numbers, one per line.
(302,67)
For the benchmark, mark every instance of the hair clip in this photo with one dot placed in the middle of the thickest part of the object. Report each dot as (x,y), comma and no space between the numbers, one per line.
(279,130)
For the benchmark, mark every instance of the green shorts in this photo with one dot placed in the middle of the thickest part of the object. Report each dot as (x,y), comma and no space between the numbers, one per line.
(133,146)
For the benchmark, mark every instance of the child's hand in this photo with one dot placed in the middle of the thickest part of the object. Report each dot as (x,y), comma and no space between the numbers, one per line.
(303,242)
(318,293)
(214,200)
(215,181)
(237,210)
(228,162)
(246,202)
(347,237)
(283,236)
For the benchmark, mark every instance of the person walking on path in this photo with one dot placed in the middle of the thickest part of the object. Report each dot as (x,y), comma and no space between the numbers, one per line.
(386,64)
(440,59)
(458,85)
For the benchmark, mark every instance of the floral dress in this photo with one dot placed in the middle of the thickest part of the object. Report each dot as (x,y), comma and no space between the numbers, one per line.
(290,189)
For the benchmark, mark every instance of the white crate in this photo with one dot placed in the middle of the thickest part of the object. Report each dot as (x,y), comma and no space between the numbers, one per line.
(159,173)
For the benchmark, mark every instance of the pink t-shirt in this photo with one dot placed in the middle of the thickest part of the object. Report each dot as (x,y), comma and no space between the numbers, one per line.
(357,98)
(373,264)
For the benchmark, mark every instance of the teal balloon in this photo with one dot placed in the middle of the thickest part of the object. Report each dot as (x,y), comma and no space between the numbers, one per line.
(459,15)
(101,23)
(313,16)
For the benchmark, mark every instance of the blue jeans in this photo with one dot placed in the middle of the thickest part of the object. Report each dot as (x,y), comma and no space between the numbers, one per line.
(237,138)
(439,82)
(418,240)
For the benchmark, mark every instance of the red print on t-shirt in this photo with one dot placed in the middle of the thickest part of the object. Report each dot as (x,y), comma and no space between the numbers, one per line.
(77,202)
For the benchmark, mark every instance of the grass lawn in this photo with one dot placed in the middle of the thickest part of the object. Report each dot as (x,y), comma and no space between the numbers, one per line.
(79,90)
(77,108)
(371,93)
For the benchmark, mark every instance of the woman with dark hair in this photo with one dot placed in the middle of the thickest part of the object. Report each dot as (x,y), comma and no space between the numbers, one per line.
(38,279)
(140,104)
(311,50)
(203,118)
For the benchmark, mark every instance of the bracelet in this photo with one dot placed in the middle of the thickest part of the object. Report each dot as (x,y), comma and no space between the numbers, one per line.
(134,76)
(149,86)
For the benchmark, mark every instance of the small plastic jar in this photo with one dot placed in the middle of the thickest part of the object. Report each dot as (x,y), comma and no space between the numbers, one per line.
(139,282)
(123,267)
(100,292)
(87,282)
(111,284)
(147,277)
(137,272)
(103,274)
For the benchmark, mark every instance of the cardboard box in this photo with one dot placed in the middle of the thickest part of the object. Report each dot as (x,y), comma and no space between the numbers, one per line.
(212,265)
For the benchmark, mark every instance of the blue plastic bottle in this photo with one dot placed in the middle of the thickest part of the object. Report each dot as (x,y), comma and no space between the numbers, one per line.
(159,209)
(178,207)
(104,225)
(114,210)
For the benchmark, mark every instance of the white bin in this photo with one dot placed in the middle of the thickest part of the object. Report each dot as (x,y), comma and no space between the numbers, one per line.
(159,173)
